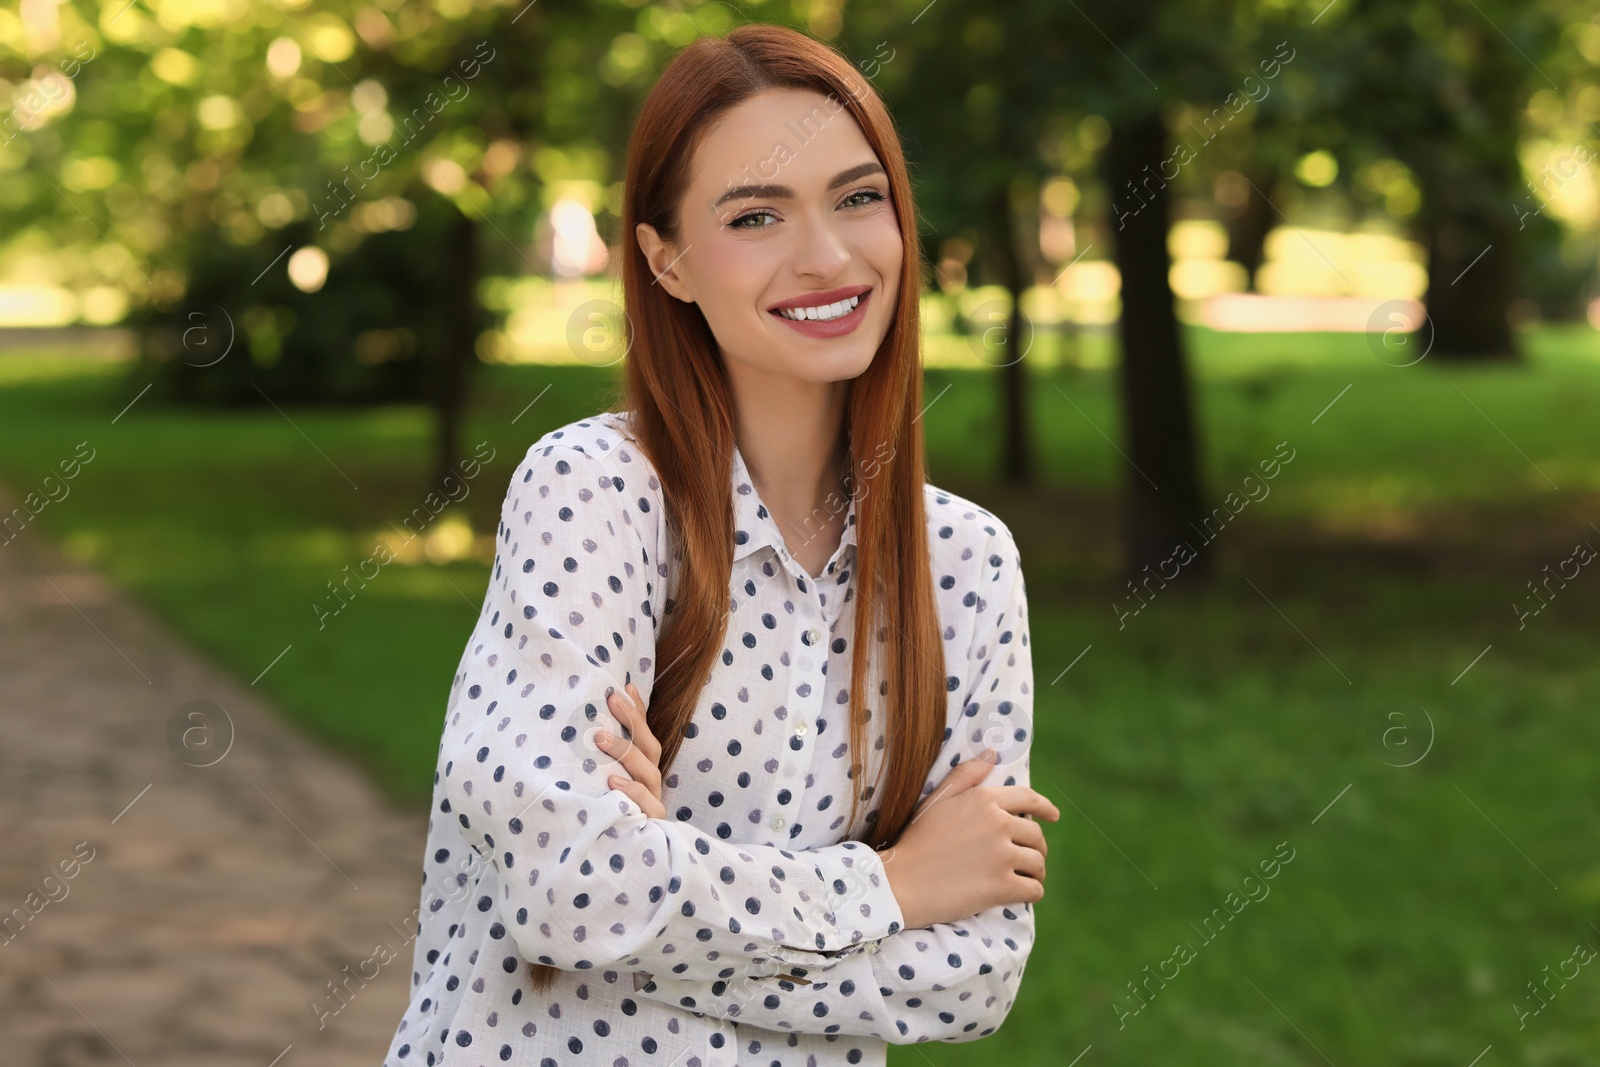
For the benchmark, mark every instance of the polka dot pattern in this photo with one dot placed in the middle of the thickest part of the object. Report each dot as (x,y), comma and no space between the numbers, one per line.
(743,928)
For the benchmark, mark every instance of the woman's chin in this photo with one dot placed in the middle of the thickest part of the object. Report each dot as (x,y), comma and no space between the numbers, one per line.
(831,364)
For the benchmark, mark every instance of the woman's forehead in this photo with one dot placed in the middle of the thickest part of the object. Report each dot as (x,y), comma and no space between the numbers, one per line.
(804,134)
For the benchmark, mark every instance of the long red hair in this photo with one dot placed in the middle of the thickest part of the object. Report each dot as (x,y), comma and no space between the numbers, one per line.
(681,410)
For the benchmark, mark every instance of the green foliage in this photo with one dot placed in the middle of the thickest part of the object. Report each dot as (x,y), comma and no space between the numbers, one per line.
(200,157)
(248,335)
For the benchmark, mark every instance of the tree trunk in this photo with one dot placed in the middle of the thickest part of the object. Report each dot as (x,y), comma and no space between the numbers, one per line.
(1471,282)
(1469,187)
(1248,228)
(1017,466)
(1161,488)
(454,368)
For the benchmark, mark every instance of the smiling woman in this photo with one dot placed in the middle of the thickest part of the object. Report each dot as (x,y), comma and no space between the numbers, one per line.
(754,263)
(680,675)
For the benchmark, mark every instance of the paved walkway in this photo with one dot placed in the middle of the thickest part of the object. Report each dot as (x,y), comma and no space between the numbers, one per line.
(207,908)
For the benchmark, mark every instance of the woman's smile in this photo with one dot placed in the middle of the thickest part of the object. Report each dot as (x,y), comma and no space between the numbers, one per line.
(832,313)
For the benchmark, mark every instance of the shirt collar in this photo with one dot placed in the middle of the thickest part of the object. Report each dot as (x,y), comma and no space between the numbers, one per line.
(754,527)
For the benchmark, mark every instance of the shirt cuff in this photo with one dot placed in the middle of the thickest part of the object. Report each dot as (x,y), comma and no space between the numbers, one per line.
(860,906)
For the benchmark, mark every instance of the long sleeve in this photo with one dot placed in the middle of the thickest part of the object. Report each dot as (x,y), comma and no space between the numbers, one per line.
(949,981)
(582,878)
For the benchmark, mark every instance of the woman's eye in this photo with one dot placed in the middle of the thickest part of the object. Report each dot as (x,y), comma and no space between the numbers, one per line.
(740,222)
(871,195)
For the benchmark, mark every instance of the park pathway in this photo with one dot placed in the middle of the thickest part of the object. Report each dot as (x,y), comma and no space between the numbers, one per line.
(158,912)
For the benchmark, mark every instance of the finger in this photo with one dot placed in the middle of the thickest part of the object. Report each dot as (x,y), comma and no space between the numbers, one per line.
(1021,800)
(622,708)
(1026,890)
(1030,834)
(630,711)
(638,766)
(1028,861)
(647,739)
(635,792)
(649,802)
(964,776)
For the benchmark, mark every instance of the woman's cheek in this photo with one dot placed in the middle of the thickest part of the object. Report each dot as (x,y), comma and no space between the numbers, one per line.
(885,254)
(738,270)
(887,246)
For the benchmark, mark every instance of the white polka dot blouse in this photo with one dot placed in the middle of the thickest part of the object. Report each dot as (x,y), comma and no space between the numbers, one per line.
(744,928)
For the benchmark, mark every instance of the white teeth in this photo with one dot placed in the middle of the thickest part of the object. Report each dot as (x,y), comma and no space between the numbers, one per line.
(824,312)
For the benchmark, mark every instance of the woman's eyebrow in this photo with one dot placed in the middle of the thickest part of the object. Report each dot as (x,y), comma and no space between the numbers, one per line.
(784,192)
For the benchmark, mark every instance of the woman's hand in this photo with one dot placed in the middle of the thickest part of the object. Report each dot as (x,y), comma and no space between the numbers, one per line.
(1001,851)
(640,757)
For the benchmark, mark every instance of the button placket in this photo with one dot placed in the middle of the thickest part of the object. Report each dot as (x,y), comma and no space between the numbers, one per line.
(810,657)
(789,767)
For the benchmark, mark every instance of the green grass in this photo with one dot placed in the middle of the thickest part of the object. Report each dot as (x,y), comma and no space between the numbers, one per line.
(1182,747)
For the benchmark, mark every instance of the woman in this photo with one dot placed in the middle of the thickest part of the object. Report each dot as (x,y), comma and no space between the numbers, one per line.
(708,615)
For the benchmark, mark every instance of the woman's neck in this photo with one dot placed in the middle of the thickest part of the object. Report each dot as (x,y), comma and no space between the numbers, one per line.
(795,446)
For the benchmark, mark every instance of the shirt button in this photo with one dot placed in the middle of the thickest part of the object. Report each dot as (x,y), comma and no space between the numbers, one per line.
(777,822)
(814,635)
(800,731)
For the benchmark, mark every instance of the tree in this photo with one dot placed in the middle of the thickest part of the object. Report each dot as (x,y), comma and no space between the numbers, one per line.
(1443,87)
(1196,50)
(398,146)
(1161,493)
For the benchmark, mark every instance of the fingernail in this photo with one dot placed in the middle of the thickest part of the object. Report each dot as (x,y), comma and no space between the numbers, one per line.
(602,737)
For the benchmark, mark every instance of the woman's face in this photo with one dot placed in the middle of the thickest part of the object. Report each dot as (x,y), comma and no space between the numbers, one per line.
(787,208)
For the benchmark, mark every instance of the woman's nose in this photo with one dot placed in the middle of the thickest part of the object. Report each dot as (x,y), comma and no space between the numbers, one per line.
(821,252)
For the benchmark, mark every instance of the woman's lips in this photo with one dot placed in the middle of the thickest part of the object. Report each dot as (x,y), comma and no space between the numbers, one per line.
(825,328)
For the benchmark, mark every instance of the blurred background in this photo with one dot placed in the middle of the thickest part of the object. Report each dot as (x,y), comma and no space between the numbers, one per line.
(1270,328)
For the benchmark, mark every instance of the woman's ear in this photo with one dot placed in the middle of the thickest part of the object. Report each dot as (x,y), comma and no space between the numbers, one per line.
(663,260)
